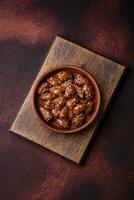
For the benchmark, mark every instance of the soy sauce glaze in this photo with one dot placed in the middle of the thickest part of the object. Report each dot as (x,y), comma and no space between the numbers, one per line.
(66,99)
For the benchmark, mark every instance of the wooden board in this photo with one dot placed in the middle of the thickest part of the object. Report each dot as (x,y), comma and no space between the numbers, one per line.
(106,72)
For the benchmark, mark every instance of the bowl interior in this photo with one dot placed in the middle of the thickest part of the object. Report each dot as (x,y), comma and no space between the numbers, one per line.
(73,69)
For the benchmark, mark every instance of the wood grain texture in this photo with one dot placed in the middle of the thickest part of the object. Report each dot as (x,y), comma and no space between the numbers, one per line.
(107,74)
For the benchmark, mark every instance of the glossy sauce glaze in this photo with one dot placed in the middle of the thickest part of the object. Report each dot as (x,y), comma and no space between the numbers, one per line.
(66,99)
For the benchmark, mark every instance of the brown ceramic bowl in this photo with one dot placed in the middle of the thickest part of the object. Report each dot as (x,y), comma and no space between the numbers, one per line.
(73,69)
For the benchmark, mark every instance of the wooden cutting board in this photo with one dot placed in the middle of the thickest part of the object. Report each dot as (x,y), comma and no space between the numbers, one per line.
(107,74)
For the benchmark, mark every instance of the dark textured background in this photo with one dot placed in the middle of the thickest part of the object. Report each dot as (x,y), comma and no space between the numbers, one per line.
(29,172)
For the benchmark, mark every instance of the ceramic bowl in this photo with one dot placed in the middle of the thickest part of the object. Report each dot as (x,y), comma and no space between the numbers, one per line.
(73,69)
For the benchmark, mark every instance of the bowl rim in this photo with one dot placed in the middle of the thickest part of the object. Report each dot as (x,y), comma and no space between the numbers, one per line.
(63,67)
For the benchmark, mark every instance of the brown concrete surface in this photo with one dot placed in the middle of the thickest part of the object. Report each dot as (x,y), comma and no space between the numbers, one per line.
(29,172)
